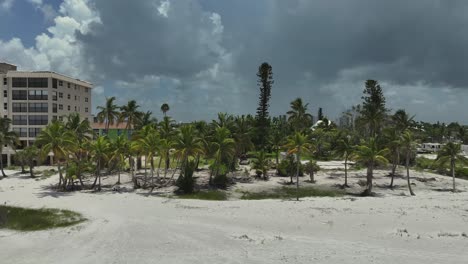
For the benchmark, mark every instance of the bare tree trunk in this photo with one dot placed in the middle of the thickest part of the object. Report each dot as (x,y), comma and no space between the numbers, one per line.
(346,172)
(408,174)
(159,167)
(297,175)
(453,175)
(1,165)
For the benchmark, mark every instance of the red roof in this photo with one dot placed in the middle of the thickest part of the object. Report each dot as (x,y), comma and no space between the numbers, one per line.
(122,125)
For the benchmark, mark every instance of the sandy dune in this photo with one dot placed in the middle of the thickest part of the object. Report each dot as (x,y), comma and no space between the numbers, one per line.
(130,227)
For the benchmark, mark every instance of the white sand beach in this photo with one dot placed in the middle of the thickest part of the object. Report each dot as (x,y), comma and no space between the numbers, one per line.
(136,227)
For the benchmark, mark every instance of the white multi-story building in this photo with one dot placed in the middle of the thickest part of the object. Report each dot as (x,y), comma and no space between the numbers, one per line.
(34,99)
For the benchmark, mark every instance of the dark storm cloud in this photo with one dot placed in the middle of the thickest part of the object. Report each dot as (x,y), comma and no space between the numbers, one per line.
(320,50)
(136,39)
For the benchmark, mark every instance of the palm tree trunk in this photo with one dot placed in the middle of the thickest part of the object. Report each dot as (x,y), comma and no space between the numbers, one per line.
(152,170)
(60,174)
(96,176)
(159,167)
(1,165)
(297,174)
(453,175)
(198,162)
(31,170)
(346,172)
(408,174)
(370,170)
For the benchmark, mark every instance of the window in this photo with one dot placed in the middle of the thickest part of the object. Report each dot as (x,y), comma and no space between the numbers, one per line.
(5,106)
(68,85)
(38,82)
(20,107)
(60,95)
(21,131)
(20,120)
(61,118)
(86,99)
(54,108)
(54,96)
(68,96)
(60,83)
(19,94)
(75,86)
(60,107)
(37,95)
(19,82)
(75,108)
(86,89)
(5,81)
(54,118)
(38,107)
(75,97)
(34,132)
(38,120)
(69,108)
(86,109)
(54,83)
(5,93)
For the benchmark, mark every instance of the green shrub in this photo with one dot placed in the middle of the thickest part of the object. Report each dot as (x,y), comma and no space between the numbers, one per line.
(290,193)
(288,167)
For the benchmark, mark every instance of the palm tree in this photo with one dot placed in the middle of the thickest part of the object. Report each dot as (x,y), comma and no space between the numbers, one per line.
(297,144)
(261,163)
(59,141)
(409,147)
(108,113)
(276,141)
(120,151)
(187,144)
(402,120)
(164,108)
(394,143)
(145,119)
(100,151)
(130,114)
(344,149)
(30,154)
(451,153)
(149,146)
(166,131)
(223,148)
(370,155)
(298,115)
(242,136)
(7,138)
(311,167)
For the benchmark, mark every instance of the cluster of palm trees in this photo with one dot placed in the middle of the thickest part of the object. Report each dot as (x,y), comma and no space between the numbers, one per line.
(164,148)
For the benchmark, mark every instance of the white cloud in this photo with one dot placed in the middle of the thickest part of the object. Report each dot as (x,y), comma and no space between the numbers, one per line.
(163,8)
(6,5)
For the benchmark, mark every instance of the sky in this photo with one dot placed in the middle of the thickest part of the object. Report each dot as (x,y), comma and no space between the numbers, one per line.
(201,56)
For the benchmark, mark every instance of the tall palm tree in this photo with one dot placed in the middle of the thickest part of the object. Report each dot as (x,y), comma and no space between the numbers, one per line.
(130,113)
(451,154)
(108,113)
(120,151)
(7,137)
(370,155)
(298,144)
(223,148)
(146,119)
(166,131)
(165,108)
(409,147)
(402,120)
(344,149)
(298,115)
(59,141)
(100,151)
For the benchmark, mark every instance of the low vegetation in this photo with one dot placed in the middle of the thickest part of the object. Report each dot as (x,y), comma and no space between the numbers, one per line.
(25,219)
(211,195)
(287,193)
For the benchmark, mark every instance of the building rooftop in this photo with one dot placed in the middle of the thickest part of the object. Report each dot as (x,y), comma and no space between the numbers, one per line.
(97,125)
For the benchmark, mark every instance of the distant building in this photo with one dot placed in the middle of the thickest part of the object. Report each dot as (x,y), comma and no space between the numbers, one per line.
(430,147)
(115,129)
(33,99)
